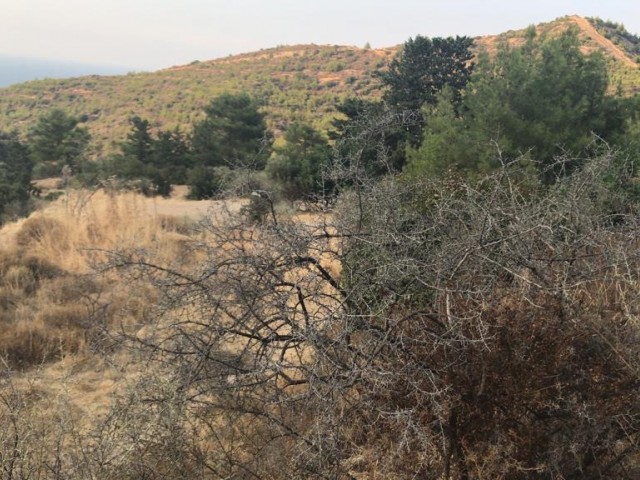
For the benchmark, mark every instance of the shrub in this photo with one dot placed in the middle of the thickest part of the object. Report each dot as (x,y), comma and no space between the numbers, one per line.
(260,206)
(481,331)
(204,182)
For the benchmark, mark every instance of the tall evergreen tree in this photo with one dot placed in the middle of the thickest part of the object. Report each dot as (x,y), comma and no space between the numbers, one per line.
(139,143)
(233,134)
(58,138)
(15,173)
(413,80)
(172,153)
(424,67)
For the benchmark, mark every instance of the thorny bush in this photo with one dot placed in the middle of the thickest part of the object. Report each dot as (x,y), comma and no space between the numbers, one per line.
(437,330)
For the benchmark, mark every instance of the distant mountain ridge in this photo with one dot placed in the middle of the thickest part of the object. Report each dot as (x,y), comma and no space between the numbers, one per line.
(23,69)
(302,82)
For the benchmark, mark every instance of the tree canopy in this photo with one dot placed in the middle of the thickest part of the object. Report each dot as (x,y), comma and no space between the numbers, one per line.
(139,143)
(298,163)
(423,68)
(233,134)
(162,158)
(15,173)
(57,138)
(414,78)
(543,99)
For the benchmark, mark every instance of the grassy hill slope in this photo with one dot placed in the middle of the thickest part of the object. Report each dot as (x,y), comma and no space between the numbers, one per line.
(301,82)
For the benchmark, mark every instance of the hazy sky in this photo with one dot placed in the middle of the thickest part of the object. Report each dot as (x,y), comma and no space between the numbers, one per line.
(153,34)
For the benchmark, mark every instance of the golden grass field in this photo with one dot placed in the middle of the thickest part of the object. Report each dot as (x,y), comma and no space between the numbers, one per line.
(53,303)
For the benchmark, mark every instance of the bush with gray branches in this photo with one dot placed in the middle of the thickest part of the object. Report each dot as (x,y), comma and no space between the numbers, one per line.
(444,329)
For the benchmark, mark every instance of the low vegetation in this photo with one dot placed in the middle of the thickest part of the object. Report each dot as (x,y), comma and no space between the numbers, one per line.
(300,83)
(462,303)
(448,329)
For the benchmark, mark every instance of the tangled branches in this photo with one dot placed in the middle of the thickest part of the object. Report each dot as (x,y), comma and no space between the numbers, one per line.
(444,330)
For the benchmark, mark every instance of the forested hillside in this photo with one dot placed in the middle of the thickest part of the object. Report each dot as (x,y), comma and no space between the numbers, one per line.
(291,83)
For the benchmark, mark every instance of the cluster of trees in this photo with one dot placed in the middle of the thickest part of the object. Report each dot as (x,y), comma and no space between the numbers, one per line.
(224,151)
(231,148)
(412,83)
(158,161)
(230,141)
(233,137)
(58,141)
(55,143)
(539,100)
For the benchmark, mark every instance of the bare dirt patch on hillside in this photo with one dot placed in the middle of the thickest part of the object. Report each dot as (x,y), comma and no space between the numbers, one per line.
(593,40)
(193,209)
(607,45)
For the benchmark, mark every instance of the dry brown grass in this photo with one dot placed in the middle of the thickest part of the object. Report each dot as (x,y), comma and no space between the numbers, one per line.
(51,303)
(55,311)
